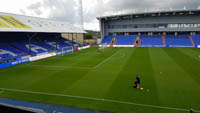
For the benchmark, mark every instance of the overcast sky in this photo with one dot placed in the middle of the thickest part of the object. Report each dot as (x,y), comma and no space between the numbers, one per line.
(67,10)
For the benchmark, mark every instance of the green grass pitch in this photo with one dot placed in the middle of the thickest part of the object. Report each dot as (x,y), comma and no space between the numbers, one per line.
(103,82)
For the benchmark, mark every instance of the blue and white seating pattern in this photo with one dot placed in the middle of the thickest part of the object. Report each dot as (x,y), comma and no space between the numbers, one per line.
(20,48)
(35,50)
(7,52)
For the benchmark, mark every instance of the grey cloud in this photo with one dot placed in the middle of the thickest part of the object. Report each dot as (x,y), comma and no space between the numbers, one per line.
(62,10)
(22,11)
(34,6)
(66,10)
(131,6)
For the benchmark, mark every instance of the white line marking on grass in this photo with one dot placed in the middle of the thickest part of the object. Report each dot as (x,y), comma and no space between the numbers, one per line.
(98,99)
(50,66)
(106,60)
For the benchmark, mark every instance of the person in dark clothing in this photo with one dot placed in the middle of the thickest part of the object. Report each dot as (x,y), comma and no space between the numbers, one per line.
(135,84)
(138,78)
(191,110)
(137,42)
(138,81)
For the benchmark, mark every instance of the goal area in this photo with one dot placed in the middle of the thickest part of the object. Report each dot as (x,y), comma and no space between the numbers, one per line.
(65,50)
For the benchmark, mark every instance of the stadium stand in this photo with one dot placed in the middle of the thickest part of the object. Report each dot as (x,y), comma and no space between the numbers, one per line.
(178,41)
(107,39)
(196,39)
(14,48)
(125,40)
(156,40)
(7,53)
(25,38)
(152,41)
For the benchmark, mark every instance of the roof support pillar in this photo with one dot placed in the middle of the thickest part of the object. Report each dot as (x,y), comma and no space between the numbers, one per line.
(76,37)
(30,37)
(57,39)
(72,39)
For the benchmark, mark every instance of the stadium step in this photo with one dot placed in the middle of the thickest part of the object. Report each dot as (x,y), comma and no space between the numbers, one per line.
(115,41)
(134,43)
(139,44)
(111,43)
(192,41)
(139,41)
(163,39)
(19,50)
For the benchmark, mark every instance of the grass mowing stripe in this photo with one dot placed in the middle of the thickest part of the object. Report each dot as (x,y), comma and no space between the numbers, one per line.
(97,99)
(98,81)
(175,87)
(127,75)
(167,74)
(187,63)
(192,52)
(5,70)
(106,60)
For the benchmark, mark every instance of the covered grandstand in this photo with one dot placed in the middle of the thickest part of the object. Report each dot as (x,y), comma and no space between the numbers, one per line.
(24,38)
(179,28)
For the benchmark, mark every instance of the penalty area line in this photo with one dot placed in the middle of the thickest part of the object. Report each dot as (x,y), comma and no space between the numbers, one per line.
(106,60)
(97,99)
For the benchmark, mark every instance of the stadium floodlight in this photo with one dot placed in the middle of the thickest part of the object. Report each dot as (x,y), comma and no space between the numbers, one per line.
(80,14)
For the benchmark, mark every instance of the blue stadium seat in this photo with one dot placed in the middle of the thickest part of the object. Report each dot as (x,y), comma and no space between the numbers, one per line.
(147,40)
(7,52)
(126,40)
(196,39)
(107,39)
(178,41)
(17,46)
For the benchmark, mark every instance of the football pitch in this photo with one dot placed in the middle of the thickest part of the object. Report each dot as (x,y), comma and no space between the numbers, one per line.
(104,82)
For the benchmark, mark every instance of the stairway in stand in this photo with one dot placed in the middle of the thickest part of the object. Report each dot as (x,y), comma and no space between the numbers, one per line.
(19,50)
(113,42)
(139,42)
(163,39)
(192,41)
(134,43)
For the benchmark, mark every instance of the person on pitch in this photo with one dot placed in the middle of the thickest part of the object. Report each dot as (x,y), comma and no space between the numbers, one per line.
(135,84)
(138,80)
(191,110)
